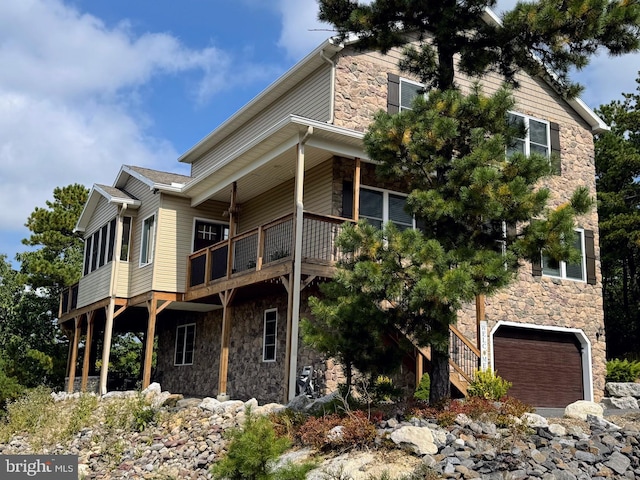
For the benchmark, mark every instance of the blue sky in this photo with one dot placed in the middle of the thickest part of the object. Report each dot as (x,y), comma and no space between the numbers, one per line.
(89,85)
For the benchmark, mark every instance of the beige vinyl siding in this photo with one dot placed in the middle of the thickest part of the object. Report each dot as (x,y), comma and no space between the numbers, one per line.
(174,239)
(141,278)
(318,189)
(310,99)
(95,285)
(122,286)
(279,201)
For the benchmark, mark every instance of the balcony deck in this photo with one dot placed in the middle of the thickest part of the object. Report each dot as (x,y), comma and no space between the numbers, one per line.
(264,253)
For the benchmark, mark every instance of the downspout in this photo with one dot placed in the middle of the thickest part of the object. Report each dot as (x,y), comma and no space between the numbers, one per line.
(297,264)
(108,328)
(332,87)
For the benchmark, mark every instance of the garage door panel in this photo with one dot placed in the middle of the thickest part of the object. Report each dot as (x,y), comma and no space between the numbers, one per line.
(544,367)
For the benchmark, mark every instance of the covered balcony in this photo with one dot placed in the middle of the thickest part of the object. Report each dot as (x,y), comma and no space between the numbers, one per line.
(263,253)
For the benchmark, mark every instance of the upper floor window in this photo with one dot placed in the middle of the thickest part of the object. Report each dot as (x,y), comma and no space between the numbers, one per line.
(185,344)
(126,239)
(539,136)
(401,93)
(381,206)
(562,269)
(270,335)
(98,247)
(409,90)
(148,240)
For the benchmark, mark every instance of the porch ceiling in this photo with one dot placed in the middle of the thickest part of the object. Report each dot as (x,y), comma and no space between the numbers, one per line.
(270,159)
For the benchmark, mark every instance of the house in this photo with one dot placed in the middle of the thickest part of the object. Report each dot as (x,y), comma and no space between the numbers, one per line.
(218,265)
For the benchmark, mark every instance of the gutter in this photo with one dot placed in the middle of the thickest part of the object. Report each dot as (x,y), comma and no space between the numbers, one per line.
(332,86)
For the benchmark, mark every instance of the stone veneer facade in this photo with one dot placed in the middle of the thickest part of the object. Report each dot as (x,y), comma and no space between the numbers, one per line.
(249,376)
(361,90)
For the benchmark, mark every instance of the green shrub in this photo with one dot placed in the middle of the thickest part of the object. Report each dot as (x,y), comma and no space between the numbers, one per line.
(81,415)
(143,414)
(252,453)
(487,384)
(424,388)
(623,370)
(384,390)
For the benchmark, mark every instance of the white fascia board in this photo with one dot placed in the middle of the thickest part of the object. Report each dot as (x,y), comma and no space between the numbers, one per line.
(339,149)
(137,176)
(221,185)
(233,155)
(288,120)
(130,202)
(81,224)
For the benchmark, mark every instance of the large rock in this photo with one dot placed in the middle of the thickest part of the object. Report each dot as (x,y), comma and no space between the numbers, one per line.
(416,439)
(582,408)
(619,389)
(624,403)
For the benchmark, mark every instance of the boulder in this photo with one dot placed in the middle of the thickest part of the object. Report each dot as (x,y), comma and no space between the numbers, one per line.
(151,391)
(582,408)
(209,404)
(624,403)
(534,420)
(299,403)
(620,389)
(416,439)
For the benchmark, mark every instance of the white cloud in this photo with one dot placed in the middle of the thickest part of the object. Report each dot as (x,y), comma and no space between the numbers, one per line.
(69,86)
(301,29)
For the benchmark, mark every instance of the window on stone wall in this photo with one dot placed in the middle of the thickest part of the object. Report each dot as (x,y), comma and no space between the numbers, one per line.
(185,342)
(538,136)
(270,335)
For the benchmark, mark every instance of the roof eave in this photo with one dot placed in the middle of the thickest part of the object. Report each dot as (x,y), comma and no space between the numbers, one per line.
(263,97)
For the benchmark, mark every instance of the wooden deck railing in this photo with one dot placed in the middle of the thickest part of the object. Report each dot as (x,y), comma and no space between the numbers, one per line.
(264,245)
(68,299)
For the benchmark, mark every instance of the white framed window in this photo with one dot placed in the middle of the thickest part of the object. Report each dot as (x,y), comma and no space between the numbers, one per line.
(125,246)
(185,343)
(565,270)
(409,90)
(536,135)
(148,240)
(270,335)
(380,206)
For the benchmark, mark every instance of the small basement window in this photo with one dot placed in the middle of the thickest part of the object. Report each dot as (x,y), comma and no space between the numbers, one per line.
(270,335)
(185,343)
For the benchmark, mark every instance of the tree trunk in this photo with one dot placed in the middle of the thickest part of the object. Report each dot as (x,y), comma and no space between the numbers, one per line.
(440,382)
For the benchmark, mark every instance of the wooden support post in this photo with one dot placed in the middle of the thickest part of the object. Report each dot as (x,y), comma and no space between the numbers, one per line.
(419,367)
(74,353)
(152,306)
(87,350)
(226,298)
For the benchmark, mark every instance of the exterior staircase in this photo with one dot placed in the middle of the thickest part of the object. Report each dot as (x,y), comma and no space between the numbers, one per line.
(464,359)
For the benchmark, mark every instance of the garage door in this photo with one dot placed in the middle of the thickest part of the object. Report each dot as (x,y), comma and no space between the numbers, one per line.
(545,367)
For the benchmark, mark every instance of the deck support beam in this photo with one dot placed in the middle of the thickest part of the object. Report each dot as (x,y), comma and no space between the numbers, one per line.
(87,350)
(226,298)
(74,353)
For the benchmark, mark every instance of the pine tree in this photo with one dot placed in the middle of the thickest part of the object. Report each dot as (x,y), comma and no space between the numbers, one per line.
(57,262)
(617,171)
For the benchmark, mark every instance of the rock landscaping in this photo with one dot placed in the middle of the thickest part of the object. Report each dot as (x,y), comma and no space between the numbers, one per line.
(187,437)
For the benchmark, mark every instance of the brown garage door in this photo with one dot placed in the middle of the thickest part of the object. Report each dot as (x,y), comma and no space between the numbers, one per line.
(545,367)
